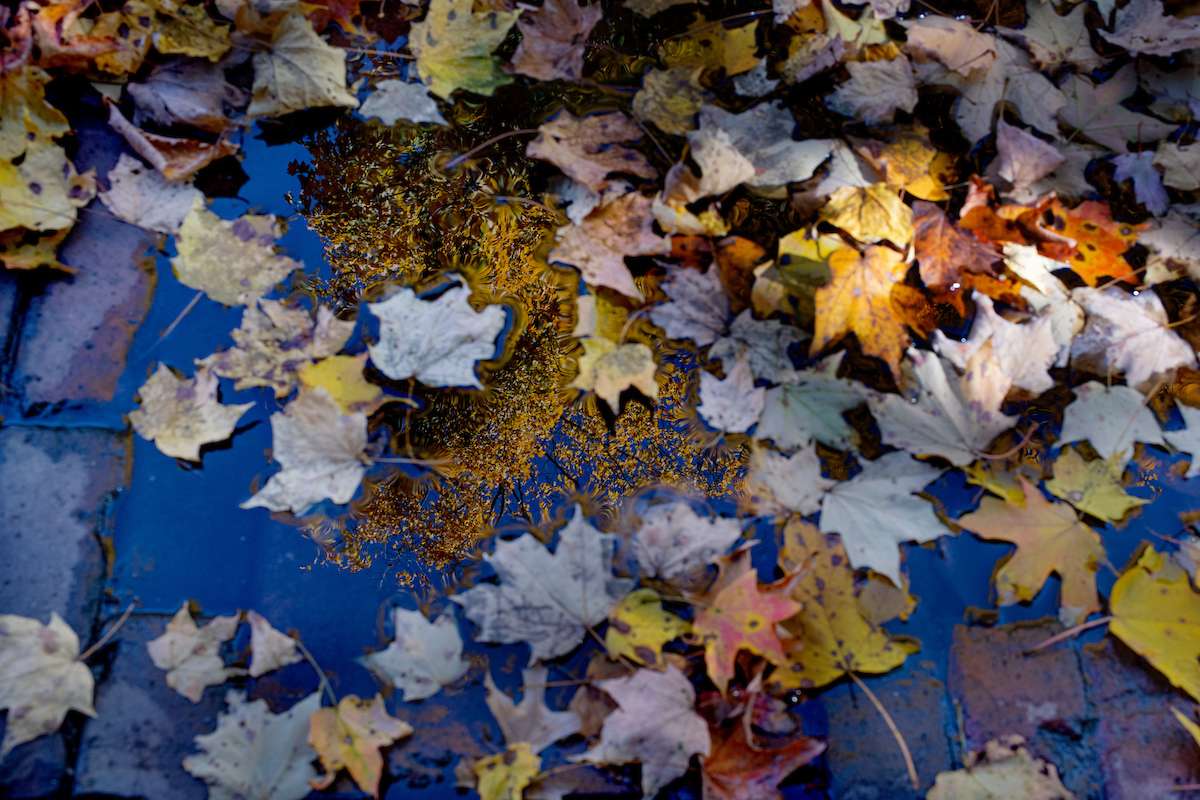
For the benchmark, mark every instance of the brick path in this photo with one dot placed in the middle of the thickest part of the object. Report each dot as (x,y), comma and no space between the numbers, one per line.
(92,518)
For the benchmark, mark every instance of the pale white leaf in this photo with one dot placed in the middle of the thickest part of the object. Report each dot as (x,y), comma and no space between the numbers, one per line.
(395,100)
(141,196)
(734,404)
(674,542)
(1112,418)
(270,649)
(765,343)
(778,485)
(530,721)
(192,655)
(422,657)
(698,307)
(1187,439)
(1023,352)
(1142,28)
(876,90)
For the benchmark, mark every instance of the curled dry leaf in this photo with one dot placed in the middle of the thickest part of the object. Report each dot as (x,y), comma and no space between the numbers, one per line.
(187,92)
(423,656)
(350,736)
(553,38)
(181,415)
(192,655)
(41,678)
(177,159)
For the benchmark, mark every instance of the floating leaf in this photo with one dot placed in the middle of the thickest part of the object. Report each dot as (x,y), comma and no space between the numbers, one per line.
(192,655)
(349,737)
(454,45)
(180,415)
(638,627)
(423,656)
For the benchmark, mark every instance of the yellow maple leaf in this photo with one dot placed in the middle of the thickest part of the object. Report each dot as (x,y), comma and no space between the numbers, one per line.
(709,47)
(608,368)
(299,71)
(1156,612)
(349,736)
(858,300)
(833,637)
(910,164)
(871,214)
(638,627)
(505,776)
(342,377)
(1093,487)
(454,45)
(190,31)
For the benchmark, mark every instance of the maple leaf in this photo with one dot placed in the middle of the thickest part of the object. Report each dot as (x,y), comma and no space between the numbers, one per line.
(735,615)
(873,214)
(778,484)
(608,368)
(41,678)
(1187,439)
(1095,110)
(408,347)
(176,158)
(1050,539)
(1147,183)
(1130,334)
(192,655)
(1046,294)
(232,261)
(270,648)
(733,404)
(529,722)
(506,776)
(1142,28)
(1055,39)
(1156,612)
(342,377)
(321,451)
(953,42)
(588,149)
(877,509)
(858,300)
(764,343)
(349,737)
(1112,418)
(654,724)
(553,38)
(1180,165)
(142,197)
(394,100)
(1023,159)
(1094,487)
(943,251)
(454,45)
(1004,768)
(254,753)
(909,162)
(181,415)
(638,627)
(275,341)
(739,769)
(763,136)
(698,308)
(945,415)
(832,636)
(422,657)
(673,542)
(187,92)
(299,71)
(190,31)
(597,247)
(810,407)
(1022,352)
(670,98)
(548,600)
(876,90)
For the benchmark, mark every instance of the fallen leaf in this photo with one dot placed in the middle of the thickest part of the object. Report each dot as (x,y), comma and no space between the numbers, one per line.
(1112,418)
(189,31)
(877,509)
(180,415)
(177,159)
(588,149)
(41,678)
(188,92)
(711,48)
(1023,159)
(1142,28)
(232,261)
(1130,334)
(1054,39)
(735,614)
(1156,612)
(1095,110)
(1180,165)
(1004,768)
(608,369)
(732,404)
(638,627)
(342,377)
(1187,439)
(530,721)
(654,724)
(953,42)
(439,341)
(597,247)
(453,46)
(422,657)
(141,196)
(275,342)
(858,300)
(810,407)
(321,452)
(254,753)
(548,600)
(944,252)
(1022,352)
(670,98)
(506,776)
(1046,294)
(738,769)
(299,71)
(763,135)
(553,38)
(776,484)
(910,163)
(350,736)
(876,91)
(395,100)
(1139,168)
(269,648)
(192,655)
(1094,487)
(673,542)
(764,343)
(873,214)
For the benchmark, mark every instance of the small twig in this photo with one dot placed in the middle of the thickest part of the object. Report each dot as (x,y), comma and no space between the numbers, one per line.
(111,632)
(312,662)
(891,723)
(1012,451)
(457,160)
(1185,787)
(1068,634)
(167,331)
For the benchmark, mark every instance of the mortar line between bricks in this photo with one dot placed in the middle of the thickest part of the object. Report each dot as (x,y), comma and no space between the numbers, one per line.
(12,339)
(49,423)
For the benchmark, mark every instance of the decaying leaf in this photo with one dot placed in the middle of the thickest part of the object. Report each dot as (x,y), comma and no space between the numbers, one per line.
(395,100)
(299,71)
(1094,487)
(859,300)
(350,736)
(254,753)
(598,246)
(738,769)
(1022,352)
(439,341)
(553,38)
(764,343)
(41,678)
(175,158)
(1050,539)
(876,90)
(654,724)
(1156,611)
(1111,418)
(547,599)
(232,261)
(140,196)
(698,308)
(639,626)
(270,649)
(763,136)
(188,92)
(1142,28)
(422,657)
(588,149)
(192,655)
(943,251)
(454,45)
(529,721)
(506,776)
(674,542)
(180,415)
(1004,768)
(321,451)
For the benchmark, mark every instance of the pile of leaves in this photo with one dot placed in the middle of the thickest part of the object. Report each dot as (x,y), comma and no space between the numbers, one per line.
(898,243)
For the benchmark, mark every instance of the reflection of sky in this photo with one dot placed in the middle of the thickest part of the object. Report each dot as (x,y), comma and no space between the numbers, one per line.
(180,533)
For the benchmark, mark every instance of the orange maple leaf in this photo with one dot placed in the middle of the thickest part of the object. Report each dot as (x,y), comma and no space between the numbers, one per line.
(944,252)
(737,768)
(1098,243)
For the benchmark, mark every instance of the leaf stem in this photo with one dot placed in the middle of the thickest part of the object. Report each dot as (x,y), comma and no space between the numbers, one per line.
(111,632)
(1068,634)
(312,662)
(891,723)
(457,160)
